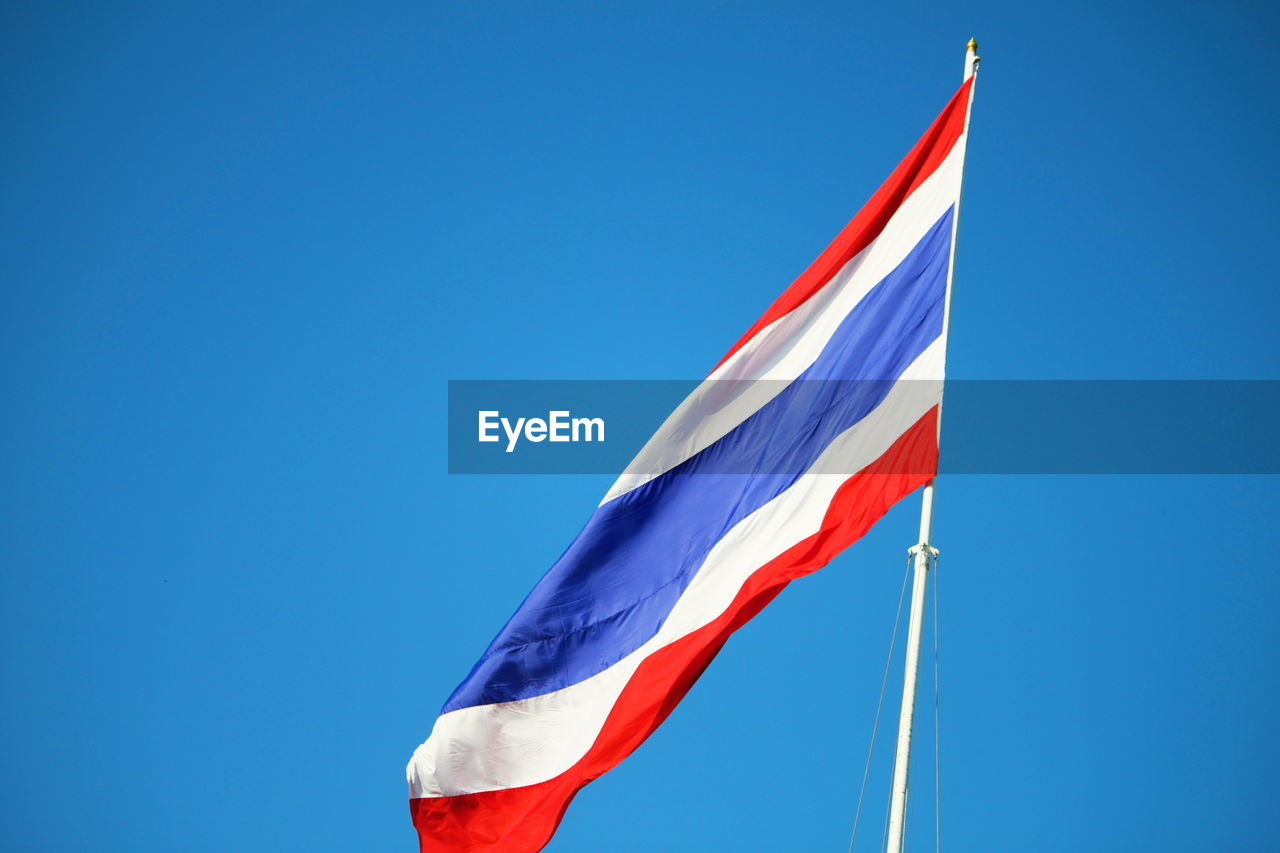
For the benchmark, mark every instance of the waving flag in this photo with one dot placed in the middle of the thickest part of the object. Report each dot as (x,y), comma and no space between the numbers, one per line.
(805,434)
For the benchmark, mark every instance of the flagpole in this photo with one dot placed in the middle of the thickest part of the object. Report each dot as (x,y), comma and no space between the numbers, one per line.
(925,555)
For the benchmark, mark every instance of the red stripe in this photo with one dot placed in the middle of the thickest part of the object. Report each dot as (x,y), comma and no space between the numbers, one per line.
(522,820)
(918,165)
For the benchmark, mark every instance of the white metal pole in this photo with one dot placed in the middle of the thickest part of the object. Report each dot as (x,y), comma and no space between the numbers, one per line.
(924,554)
(923,558)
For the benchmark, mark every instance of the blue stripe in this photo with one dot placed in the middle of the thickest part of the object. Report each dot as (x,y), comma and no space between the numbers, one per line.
(615,585)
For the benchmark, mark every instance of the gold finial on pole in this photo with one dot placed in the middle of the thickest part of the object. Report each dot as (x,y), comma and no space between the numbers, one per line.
(971,58)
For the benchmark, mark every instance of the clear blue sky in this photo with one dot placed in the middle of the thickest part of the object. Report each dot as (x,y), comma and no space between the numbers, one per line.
(245,245)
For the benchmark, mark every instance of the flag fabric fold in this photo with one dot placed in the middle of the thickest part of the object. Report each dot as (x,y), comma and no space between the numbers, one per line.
(816,422)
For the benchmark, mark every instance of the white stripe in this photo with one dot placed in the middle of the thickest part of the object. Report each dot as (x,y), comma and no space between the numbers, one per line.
(789,345)
(510,744)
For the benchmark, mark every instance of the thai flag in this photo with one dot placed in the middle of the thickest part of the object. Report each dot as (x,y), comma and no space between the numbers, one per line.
(804,435)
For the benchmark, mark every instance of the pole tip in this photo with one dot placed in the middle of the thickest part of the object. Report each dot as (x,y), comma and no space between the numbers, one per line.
(972,46)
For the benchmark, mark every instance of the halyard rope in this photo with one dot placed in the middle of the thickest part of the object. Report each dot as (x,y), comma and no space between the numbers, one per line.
(884,682)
